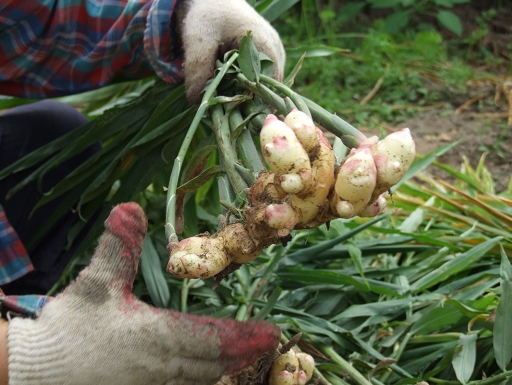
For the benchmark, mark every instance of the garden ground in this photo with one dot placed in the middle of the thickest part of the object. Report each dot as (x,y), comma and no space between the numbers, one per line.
(481,117)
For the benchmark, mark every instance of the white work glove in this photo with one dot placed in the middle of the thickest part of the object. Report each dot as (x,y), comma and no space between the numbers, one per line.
(211,28)
(96,332)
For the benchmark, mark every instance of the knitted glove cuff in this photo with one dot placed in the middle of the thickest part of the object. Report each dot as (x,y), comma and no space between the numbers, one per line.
(35,354)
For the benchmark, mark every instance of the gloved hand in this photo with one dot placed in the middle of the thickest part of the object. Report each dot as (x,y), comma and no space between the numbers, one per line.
(210,28)
(97,332)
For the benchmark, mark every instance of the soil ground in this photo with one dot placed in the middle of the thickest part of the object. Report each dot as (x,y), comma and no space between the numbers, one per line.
(435,128)
(481,118)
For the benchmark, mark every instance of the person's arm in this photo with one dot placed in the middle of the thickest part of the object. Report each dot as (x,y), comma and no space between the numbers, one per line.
(98,332)
(55,48)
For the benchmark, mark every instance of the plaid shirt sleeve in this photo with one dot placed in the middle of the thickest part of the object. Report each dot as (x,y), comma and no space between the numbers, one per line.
(53,48)
(14,261)
(22,305)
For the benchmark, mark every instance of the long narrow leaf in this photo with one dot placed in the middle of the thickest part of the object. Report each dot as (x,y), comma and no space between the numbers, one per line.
(275,9)
(306,254)
(422,163)
(464,362)
(455,265)
(502,336)
(153,275)
(193,184)
(272,300)
(324,276)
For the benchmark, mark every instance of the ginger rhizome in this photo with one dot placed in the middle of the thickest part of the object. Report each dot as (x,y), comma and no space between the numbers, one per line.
(303,189)
(285,365)
(291,368)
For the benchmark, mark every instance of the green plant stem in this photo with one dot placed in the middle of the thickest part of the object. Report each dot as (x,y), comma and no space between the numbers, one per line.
(229,206)
(330,121)
(242,313)
(246,174)
(493,380)
(397,354)
(318,375)
(443,382)
(436,338)
(350,136)
(289,104)
(334,380)
(184,295)
(255,113)
(344,365)
(265,93)
(226,151)
(170,213)
(248,151)
(296,101)
(245,309)
(488,381)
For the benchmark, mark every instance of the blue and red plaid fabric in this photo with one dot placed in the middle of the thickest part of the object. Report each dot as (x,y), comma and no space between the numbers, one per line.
(14,261)
(22,305)
(53,48)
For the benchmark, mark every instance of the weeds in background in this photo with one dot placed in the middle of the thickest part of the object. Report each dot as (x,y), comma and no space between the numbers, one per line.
(404,75)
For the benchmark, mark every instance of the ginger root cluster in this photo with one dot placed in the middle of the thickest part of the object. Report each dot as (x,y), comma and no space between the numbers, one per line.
(291,368)
(303,189)
(285,365)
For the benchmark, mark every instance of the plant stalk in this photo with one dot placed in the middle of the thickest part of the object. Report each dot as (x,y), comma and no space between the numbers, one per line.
(226,152)
(170,213)
(493,380)
(350,135)
(184,295)
(265,93)
(248,151)
(344,365)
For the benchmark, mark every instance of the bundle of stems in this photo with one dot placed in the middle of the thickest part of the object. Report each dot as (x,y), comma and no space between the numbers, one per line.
(245,75)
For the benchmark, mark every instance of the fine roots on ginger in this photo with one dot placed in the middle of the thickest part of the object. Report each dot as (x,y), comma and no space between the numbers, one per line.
(286,365)
(302,190)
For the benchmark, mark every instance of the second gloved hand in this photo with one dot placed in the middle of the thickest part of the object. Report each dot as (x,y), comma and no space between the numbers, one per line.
(97,332)
(210,28)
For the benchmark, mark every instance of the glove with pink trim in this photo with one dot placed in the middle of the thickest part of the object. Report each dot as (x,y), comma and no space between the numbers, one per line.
(210,28)
(97,332)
